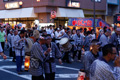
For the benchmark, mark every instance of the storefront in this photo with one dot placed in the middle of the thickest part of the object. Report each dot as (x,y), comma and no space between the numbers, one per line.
(23,15)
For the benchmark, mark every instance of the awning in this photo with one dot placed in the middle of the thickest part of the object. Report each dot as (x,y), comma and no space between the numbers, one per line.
(64,12)
(18,13)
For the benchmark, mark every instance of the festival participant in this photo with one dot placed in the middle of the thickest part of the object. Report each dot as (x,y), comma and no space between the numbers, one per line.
(19,42)
(101,70)
(37,59)
(50,65)
(79,41)
(105,37)
(91,55)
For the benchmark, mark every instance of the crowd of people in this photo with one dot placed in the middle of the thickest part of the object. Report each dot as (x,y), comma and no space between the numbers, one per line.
(43,47)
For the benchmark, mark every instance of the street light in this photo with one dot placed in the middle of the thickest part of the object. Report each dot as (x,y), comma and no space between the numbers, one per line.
(94,27)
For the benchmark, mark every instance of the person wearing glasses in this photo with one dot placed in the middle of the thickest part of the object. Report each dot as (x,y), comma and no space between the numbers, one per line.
(101,70)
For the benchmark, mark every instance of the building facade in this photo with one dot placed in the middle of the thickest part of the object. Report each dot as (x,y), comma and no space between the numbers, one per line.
(27,11)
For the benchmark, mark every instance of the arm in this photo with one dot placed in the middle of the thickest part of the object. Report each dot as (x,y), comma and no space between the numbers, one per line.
(3,55)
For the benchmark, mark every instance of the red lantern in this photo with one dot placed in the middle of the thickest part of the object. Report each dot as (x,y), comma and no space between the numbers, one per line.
(53,14)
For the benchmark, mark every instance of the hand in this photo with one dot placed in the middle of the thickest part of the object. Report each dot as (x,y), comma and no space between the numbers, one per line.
(4,57)
(117,62)
(60,61)
(48,50)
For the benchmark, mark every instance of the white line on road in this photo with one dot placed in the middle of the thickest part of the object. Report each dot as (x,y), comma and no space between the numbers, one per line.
(13,73)
(57,66)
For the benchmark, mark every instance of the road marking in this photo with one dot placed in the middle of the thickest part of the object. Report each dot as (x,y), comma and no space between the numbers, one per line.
(57,66)
(13,73)
(1,60)
(66,75)
(28,76)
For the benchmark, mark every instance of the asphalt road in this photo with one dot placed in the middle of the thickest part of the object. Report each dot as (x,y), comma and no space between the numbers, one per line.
(64,72)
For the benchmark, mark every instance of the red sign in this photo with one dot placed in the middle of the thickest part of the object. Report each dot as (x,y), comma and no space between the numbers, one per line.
(53,14)
(118,18)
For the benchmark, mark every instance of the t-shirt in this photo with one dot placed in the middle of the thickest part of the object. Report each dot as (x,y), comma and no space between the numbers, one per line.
(2,34)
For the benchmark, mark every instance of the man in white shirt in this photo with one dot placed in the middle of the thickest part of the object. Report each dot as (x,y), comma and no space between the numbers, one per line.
(57,36)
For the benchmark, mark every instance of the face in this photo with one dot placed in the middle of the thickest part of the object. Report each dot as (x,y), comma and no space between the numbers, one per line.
(74,31)
(108,33)
(43,41)
(113,55)
(1,29)
(48,41)
(96,48)
(78,32)
(16,32)
(101,32)
(11,32)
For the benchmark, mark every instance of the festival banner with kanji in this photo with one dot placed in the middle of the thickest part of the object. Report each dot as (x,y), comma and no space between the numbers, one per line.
(87,22)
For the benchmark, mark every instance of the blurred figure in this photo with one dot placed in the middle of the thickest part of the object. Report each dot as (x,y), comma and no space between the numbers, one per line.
(105,37)
(50,65)
(9,41)
(78,43)
(100,33)
(91,55)
(19,42)
(100,69)
(1,52)
(115,39)
(87,41)
(38,56)
(93,34)
(2,39)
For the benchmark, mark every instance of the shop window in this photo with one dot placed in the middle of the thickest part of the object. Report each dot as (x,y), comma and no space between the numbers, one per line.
(8,0)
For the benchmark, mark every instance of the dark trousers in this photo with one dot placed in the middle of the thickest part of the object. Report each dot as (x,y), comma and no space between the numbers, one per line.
(38,77)
(3,44)
(19,61)
(10,52)
(66,57)
(13,52)
(79,54)
(50,76)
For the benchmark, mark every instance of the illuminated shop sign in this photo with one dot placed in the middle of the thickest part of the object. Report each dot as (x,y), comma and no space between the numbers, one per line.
(13,5)
(71,3)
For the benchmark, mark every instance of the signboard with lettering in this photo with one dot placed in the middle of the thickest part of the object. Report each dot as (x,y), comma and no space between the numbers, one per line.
(113,1)
(12,5)
(70,3)
(86,22)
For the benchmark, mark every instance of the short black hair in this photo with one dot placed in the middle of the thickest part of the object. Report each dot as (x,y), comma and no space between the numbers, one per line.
(48,35)
(94,41)
(22,31)
(107,49)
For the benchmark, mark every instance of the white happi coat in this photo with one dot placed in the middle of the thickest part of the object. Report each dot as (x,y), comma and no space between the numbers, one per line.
(100,70)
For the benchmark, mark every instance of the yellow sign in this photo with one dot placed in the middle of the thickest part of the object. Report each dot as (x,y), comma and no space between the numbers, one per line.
(12,5)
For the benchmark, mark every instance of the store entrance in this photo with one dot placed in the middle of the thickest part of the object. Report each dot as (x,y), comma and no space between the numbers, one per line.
(28,22)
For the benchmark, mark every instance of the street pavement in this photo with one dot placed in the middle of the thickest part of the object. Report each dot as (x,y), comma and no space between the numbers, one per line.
(64,72)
